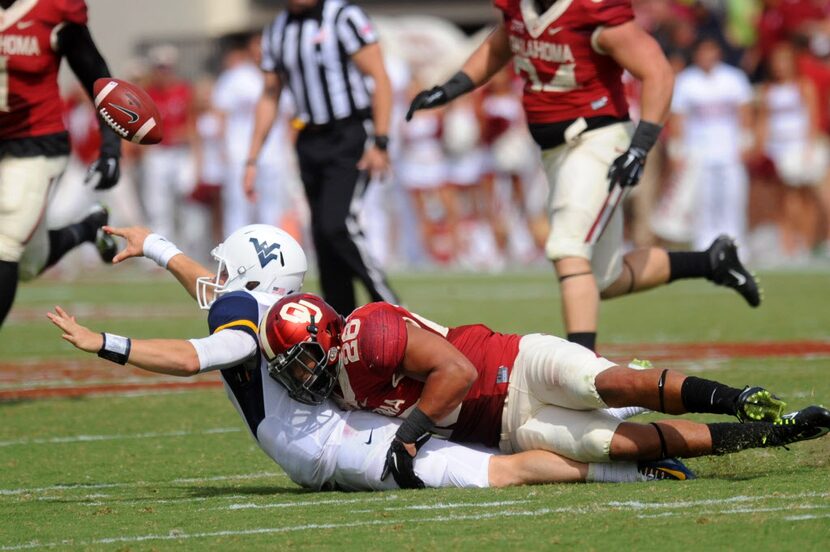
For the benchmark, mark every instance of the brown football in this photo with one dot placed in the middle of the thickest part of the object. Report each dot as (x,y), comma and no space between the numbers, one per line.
(128,110)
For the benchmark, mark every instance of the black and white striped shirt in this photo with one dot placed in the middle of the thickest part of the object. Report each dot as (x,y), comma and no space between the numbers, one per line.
(312,54)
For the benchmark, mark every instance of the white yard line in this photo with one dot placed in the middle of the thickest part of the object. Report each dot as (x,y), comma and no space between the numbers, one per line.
(115,437)
(806,517)
(52,488)
(586,510)
(340,502)
(741,511)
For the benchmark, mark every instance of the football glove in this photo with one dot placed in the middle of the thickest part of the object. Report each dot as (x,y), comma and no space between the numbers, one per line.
(103,173)
(627,169)
(437,96)
(401,464)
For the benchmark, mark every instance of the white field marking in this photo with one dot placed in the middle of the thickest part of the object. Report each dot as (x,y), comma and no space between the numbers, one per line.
(177,535)
(636,505)
(741,511)
(806,517)
(35,490)
(344,501)
(116,437)
(149,501)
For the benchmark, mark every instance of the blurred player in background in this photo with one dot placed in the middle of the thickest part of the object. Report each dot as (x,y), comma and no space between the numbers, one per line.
(712,122)
(167,166)
(209,156)
(571,54)
(34,143)
(237,90)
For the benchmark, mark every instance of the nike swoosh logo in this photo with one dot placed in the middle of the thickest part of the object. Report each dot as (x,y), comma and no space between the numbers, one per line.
(555,30)
(369,442)
(132,114)
(25,24)
(738,276)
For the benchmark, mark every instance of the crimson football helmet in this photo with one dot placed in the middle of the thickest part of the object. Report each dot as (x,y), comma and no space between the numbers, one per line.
(300,337)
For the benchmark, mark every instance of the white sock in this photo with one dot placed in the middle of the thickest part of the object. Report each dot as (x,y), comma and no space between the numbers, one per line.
(626,412)
(613,472)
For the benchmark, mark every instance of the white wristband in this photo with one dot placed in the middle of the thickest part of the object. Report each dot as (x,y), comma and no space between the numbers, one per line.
(159,249)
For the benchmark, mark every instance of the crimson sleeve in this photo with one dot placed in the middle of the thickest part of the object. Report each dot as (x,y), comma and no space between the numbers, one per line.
(609,13)
(73,11)
(381,341)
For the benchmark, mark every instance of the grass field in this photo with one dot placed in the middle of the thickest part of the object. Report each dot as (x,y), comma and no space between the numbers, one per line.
(130,463)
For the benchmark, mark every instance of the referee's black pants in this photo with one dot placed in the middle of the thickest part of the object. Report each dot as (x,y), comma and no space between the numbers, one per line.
(334,188)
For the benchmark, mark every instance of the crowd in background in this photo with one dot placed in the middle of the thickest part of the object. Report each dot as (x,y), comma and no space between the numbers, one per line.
(466,187)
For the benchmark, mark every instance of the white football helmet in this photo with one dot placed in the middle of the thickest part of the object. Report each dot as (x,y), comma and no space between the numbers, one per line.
(257,257)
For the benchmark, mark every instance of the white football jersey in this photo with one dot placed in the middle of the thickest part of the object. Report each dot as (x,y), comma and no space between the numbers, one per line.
(710,103)
(302,439)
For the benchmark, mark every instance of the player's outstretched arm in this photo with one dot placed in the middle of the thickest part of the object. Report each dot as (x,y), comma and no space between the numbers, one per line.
(486,61)
(76,45)
(175,357)
(142,242)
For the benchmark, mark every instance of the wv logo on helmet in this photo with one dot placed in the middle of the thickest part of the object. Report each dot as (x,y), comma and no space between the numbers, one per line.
(266,252)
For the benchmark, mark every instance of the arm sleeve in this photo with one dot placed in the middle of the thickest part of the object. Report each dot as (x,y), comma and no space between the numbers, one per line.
(354,29)
(609,13)
(73,11)
(224,349)
(237,310)
(381,340)
(76,44)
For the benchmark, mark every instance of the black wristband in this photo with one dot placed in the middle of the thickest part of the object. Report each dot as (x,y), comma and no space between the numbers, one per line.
(459,84)
(416,425)
(116,348)
(646,135)
(382,142)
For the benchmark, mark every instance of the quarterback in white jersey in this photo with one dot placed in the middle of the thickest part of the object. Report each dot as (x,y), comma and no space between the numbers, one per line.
(319,447)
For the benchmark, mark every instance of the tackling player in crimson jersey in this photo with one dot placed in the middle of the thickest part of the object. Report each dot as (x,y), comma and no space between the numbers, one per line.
(523,392)
(571,55)
(34,36)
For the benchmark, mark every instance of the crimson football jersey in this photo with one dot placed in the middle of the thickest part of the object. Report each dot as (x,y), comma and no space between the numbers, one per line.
(373,346)
(565,75)
(30,102)
(174,102)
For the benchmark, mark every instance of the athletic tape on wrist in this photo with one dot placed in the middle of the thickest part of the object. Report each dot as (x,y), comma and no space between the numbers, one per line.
(646,135)
(415,426)
(159,249)
(116,348)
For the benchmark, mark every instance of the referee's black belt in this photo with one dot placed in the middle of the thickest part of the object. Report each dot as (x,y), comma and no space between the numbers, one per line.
(337,123)
(552,135)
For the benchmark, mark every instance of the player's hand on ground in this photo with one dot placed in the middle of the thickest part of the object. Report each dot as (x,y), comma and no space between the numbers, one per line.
(400,462)
(104,173)
(134,235)
(249,182)
(375,161)
(427,99)
(627,169)
(81,337)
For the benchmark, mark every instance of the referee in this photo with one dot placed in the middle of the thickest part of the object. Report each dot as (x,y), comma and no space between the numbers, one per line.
(325,51)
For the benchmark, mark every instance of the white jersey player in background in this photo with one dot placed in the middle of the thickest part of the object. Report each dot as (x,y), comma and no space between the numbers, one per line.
(319,447)
(235,95)
(712,118)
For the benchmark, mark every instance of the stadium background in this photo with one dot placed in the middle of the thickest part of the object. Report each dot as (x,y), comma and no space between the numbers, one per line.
(101,457)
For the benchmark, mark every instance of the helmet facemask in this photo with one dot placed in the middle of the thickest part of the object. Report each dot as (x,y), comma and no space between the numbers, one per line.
(307,370)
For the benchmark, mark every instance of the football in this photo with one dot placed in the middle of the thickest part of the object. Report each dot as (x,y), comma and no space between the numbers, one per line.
(128,110)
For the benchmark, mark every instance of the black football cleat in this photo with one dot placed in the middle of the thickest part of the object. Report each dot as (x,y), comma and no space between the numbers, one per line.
(814,419)
(98,217)
(728,271)
(756,404)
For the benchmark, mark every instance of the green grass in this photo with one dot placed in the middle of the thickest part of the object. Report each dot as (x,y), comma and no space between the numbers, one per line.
(179,471)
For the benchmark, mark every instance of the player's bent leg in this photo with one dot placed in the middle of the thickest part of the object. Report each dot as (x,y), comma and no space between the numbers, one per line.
(535,467)
(582,435)
(642,269)
(580,299)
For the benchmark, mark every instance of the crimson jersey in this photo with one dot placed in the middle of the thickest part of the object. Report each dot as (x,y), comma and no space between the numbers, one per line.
(29,97)
(173,102)
(373,345)
(565,75)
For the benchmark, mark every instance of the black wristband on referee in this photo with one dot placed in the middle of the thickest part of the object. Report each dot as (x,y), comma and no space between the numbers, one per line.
(116,348)
(459,84)
(382,142)
(416,425)
(646,135)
